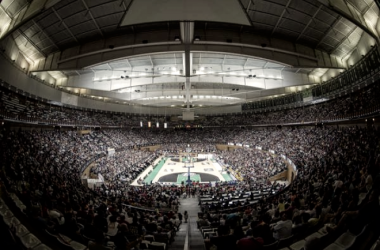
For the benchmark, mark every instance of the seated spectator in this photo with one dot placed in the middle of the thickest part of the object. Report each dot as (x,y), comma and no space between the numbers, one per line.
(283,228)
(121,239)
(251,242)
(98,243)
(202,222)
(312,243)
(224,240)
(112,226)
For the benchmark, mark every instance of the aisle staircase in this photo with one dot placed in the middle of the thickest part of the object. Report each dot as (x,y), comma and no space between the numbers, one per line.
(189,237)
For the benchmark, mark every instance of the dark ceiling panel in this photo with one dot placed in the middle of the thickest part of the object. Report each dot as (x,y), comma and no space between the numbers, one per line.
(89,35)
(107,9)
(264,18)
(268,18)
(109,20)
(303,6)
(70,9)
(48,20)
(292,25)
(324,16)
(61,36)
(270,8)
(79,17)
(83,27)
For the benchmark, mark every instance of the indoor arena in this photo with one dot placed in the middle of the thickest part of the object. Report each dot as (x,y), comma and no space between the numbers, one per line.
(189,124)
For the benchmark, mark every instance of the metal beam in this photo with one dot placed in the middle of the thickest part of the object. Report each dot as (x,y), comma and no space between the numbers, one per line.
(308,24)
(345,38)
(280,18)
(246,11)
(32,43)
(331,28)
(43,32)
(187,31)
(251,52)
(92,17)
(64,24)
(351,18)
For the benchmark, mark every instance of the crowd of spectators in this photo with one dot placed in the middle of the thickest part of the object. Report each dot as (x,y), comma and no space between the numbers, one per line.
(122,166)
(16,106)
(336,175)
(337,184)
(252,165)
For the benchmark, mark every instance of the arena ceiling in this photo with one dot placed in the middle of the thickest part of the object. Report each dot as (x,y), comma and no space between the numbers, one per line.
(188,53)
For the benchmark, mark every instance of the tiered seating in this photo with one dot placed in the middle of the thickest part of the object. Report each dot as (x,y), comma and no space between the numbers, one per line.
(355,105)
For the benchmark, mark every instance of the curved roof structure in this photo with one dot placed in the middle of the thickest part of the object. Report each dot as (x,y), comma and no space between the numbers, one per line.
(188,53)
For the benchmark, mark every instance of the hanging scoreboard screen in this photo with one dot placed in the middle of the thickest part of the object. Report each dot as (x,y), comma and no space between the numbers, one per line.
(188,116)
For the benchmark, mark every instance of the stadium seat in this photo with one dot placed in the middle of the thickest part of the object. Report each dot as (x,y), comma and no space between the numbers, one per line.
(285,242)
(11,221)
(322,231)
(157,246)
(298,245)
(21,230)
(209,234)
(348,239)
(314,235)
(70,244)
(5,212)
(272,246)
(149,238)
(42,247)
(144,244)
(163,238)
(376,245)
(334,246)
(29,241)
(63,244)
(77,246)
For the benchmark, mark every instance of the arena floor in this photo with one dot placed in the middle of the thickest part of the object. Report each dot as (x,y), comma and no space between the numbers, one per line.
(173,171)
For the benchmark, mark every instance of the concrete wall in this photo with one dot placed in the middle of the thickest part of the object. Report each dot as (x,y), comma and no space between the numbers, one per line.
(282,175)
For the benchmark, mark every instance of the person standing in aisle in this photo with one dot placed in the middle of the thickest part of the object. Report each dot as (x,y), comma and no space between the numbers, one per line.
(186,215)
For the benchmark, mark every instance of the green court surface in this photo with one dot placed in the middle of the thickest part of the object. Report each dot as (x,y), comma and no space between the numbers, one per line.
(157,169)
(193,177)
(226,177)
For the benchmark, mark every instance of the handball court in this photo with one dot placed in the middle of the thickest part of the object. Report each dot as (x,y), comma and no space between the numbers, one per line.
(171,170)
